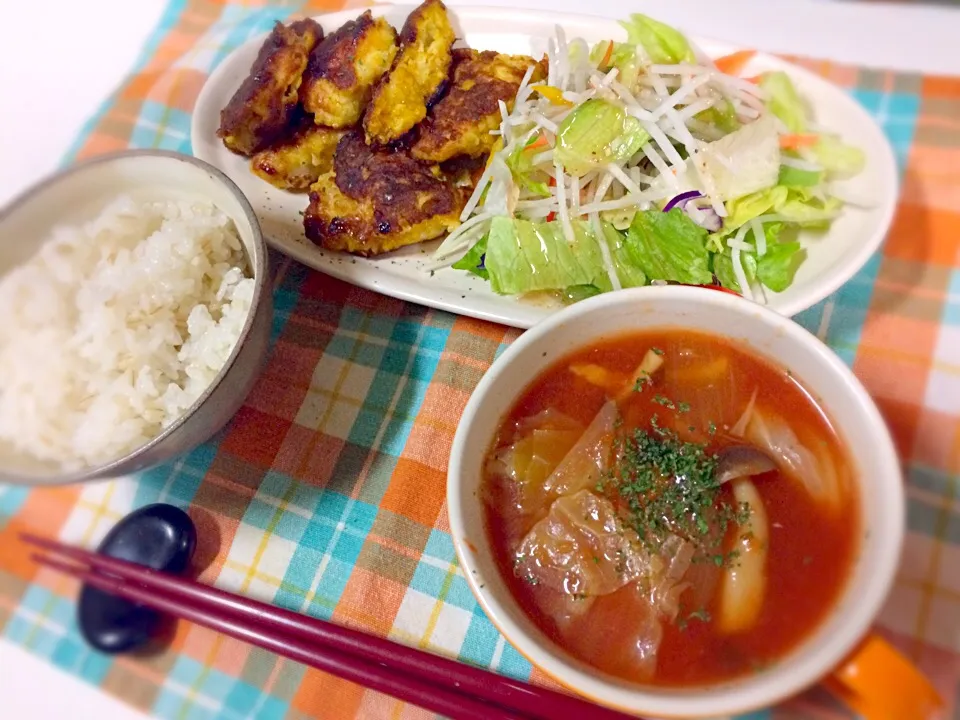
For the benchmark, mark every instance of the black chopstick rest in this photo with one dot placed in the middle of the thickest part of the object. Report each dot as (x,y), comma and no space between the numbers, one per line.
(159,536)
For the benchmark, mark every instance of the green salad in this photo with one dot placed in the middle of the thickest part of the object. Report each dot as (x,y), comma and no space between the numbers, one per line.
(644,162)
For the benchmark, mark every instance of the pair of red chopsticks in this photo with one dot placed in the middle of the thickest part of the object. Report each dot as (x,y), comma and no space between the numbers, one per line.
(434,683)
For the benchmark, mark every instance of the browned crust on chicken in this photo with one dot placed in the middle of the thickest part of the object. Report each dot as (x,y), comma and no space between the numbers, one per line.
(417,77)
(376,201)
(261,110)
(460,123)
(298,162)
(344,68)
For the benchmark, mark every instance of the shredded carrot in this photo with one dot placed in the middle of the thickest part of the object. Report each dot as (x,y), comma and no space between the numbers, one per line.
(755,79)
(607,55)
(553,94)
(540,142)
(733,63)
(797,141)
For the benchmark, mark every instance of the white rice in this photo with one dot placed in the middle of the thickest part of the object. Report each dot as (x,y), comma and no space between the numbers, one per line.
(113,329)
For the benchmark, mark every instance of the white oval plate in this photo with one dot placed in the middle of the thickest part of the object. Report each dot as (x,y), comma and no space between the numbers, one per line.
(833,257)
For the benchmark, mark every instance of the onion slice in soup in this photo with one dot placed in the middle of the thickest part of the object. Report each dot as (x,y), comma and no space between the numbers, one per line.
(619,386)
(745,579)
(771,433)
(589,458)
(664,591)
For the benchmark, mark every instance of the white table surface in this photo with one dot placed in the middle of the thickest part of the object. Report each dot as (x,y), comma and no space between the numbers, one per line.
(98,40)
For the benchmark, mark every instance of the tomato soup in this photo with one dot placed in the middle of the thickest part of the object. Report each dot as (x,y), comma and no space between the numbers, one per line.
(671,508)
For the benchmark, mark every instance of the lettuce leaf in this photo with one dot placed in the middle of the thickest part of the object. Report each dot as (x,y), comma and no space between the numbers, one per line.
(663,44)
(745,161)
(841,161)
(806,209)
(623,57)
(746,208)
(473,261)
(783,100)
(669,246)
(796,204)
(524,256)
(520,163)
(795,177)
(595,133)
(628,272)
(723,269)
(722,116)
(576,293)
(777,268)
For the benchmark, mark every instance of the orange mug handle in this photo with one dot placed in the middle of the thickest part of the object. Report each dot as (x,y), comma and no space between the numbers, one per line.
(879,683)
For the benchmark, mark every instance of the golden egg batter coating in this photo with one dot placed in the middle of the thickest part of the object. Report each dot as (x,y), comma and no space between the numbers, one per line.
(344,68)
(260,111)
(417,77)
(460,123)
(375,201)
(298,162)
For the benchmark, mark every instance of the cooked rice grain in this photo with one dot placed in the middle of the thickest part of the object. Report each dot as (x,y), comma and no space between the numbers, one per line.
(113,329)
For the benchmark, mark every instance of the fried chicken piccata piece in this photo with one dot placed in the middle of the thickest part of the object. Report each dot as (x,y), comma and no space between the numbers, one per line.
(262,108)
(417,77)
(299,161)
(344,68)
(375,201)
(460,123)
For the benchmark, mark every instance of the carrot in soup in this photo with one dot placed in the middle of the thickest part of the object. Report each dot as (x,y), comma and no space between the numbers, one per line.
(630,563)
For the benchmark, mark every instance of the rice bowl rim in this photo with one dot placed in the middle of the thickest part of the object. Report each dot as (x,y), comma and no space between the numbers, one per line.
(258,263)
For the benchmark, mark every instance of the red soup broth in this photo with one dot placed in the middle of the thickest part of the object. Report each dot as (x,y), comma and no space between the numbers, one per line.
(810,550)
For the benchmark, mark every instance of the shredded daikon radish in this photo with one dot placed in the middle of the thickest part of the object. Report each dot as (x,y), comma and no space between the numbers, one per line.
(536,213)
(695,108)
(604,185)
(467,240)
(563,57)
(619,204)
(659,86)
(544,122)
(739,272)
(550,202)
(759,237)
(454,241)
(663,143)
(688,88)
(608,265)
(544,158)
(624,179)
(574,195)
(659,164)
(562,210)
(628,99)
(523,92)
(474,199)
(552,62)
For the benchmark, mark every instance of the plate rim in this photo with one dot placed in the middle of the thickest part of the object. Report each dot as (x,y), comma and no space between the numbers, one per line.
(524,314)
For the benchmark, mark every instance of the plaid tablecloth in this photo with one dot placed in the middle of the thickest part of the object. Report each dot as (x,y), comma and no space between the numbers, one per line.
(326,492)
